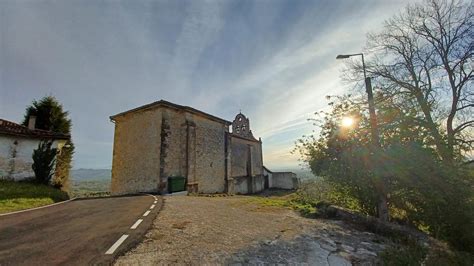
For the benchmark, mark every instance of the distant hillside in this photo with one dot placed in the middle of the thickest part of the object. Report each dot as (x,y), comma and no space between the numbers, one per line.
(90,182)
(97,181)
(91,174)
(304,174)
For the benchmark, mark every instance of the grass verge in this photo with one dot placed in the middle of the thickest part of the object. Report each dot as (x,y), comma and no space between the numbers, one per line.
(15,196)
(287,201)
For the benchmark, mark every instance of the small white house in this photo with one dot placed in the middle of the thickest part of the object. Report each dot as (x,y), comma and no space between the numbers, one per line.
(17,143)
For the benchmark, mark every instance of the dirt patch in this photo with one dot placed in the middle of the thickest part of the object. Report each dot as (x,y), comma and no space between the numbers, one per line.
(229,230)
(180,225)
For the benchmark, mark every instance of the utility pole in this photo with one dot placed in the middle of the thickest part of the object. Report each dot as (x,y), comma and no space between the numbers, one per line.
(382,206)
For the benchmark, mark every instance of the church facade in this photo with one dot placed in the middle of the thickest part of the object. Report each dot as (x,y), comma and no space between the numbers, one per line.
(160,141)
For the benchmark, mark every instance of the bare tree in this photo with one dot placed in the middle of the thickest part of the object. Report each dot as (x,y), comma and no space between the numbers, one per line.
(423,58)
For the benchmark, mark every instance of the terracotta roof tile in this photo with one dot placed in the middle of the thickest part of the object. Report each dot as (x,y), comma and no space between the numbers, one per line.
(14,129)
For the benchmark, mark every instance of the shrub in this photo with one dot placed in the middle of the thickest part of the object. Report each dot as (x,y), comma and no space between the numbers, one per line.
(43,162)
(314,192)
(51,116)
(408,253)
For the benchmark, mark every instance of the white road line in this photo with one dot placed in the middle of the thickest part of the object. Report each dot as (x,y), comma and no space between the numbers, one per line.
(146,213)
(116,245)
(136,224)
(155,202)
(152,206)
(153,196)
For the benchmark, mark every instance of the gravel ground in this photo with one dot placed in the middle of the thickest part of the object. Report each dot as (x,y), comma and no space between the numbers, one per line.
(236,230)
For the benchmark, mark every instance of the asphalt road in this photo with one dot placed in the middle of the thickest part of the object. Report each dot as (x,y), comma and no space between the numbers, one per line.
(80,232)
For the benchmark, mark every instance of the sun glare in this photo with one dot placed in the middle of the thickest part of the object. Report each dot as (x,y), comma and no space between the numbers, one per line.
(347,121)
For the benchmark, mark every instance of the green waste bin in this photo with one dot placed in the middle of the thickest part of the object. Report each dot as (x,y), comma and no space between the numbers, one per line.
(176,183)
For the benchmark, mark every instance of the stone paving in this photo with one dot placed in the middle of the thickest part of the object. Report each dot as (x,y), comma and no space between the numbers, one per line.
(236,231)
(318,247)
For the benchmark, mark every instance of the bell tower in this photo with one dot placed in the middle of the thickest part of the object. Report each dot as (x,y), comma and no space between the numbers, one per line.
(241,127)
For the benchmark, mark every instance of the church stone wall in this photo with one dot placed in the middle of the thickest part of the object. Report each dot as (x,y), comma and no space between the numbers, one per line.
(173,150)
(241,150)
(167,140)
(240,156)
(152,145)
(205,153)
(136,155)
(241,185)
(259,183)
(210,155)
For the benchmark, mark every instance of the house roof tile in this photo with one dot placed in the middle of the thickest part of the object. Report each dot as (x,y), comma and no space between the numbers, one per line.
(14,129)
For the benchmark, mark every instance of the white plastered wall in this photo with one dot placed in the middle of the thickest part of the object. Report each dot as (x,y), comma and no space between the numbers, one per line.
(16,156)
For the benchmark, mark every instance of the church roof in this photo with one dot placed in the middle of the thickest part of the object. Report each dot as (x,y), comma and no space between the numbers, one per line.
(14,129)
(163,103)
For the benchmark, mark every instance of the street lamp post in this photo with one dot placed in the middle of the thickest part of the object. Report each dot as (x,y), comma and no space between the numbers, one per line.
(382,204)
(370,96)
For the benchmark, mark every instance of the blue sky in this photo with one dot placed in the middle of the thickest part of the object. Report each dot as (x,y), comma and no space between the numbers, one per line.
(272,59)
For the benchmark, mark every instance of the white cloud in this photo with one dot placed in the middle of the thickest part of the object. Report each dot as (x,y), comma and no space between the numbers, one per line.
(203,21)
(100,58)
(291,97)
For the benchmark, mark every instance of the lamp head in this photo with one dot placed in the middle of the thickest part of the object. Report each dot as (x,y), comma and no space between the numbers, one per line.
(342,56)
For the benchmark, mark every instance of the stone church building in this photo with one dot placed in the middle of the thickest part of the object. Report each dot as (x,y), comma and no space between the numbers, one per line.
(162,140)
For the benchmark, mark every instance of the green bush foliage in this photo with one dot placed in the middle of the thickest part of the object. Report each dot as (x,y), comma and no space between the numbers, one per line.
(409,252)
(51,116)
(315,192)
(405,254)
(44,161)
(423,96)
(423,190)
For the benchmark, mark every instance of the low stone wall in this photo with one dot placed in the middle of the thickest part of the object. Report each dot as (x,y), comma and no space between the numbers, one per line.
(285,180)
(374,225)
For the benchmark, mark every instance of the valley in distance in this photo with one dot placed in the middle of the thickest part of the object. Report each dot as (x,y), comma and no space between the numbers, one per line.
(96,182)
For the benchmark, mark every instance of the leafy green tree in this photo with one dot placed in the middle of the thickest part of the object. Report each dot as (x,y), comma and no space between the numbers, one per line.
(421,65)
(421,189)
(51,116)
(423,60)
(44,161)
